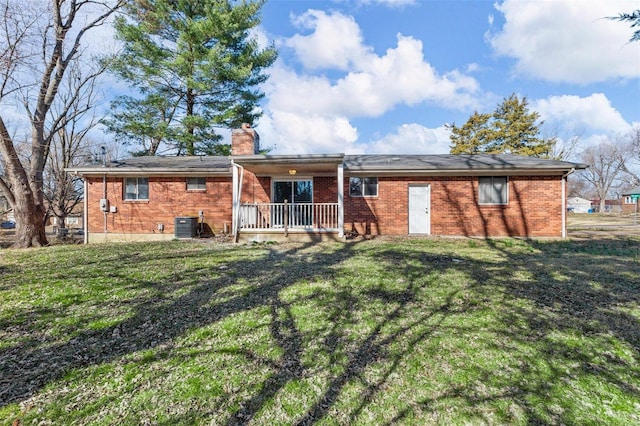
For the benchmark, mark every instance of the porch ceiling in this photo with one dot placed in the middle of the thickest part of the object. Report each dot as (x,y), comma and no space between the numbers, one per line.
(267,165)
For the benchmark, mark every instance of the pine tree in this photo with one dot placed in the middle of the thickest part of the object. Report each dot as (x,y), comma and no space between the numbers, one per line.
(634,19)
(197,69)
(473,137)
(510,129)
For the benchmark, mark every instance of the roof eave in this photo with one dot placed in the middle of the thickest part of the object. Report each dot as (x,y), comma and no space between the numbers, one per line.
(288,159)
(143,171)
(455,172)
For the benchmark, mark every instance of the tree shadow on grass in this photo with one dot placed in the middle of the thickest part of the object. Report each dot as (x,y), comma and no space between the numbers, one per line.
(541,292)
(562,308)
(31,364)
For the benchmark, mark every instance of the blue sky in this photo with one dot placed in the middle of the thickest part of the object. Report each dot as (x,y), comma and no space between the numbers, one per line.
(385,76)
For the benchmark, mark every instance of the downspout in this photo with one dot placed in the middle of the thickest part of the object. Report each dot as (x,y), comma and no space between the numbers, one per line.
(104,196)
(238,175)
(564,202)
(85,213)
(104,187)
(340,178)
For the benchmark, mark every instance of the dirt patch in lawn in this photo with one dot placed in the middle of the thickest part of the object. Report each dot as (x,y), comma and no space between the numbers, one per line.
(593,226)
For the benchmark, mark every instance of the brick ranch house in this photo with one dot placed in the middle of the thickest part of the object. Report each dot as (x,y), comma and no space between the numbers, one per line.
(265,197)
(631,199)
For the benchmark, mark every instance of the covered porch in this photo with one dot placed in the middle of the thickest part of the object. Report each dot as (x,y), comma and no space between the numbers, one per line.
(302,197)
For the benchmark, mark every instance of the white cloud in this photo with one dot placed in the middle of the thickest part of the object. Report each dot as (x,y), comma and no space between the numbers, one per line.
(568,41)
(336,41)
(294,133)
(413,139)
(472,67)
(311,112)
(593,112)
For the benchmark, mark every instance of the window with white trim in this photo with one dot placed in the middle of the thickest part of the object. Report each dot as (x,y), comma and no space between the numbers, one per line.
(493,190)
(136,188)
(196,183)
(363,186)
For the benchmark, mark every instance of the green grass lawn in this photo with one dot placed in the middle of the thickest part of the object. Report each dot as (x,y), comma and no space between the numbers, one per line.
(387,331)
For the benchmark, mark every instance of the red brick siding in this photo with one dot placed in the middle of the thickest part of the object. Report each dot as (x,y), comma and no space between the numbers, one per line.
(168,199)
(534,208)
(630,208)
(255,189)
(325,190)
(243,141)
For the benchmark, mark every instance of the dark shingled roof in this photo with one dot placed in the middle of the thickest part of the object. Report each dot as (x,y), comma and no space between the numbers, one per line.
(383,164)
(186,165)
(451,162)
(631,191)
(182,162)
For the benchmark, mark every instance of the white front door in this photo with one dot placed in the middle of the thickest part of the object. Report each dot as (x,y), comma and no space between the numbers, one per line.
(419,209)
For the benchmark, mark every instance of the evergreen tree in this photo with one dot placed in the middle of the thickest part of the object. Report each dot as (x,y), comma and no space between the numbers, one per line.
(510,129)
(473,137)
(634,19)
(197,69)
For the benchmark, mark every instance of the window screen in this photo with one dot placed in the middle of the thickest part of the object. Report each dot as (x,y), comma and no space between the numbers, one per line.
(493,190)
(136,189)
(196,183)
(363,186)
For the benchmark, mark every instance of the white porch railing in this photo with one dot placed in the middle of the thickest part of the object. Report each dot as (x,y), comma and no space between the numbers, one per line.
(285,216)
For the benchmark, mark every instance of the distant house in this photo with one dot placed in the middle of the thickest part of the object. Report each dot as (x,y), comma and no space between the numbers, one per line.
(6,212)
(578,205)
(74,220)
(319,196)
(610,206)
(630,200)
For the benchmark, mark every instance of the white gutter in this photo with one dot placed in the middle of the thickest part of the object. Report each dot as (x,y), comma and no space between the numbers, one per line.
(85,213)
(104,196)
(238,176)
(453,172)
(340,179)
(564,202)
(134,172)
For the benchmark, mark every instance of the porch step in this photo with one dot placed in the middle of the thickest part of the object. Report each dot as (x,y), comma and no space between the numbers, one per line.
(293,235)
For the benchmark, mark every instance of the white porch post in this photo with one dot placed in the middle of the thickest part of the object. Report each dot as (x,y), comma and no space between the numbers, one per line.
(341,200)
(235,198)
(564,206)
(564,202)
(85,213)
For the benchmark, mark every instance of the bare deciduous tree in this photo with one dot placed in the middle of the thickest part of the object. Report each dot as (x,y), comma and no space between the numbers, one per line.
(565,144)
(39,43)
(632,141)
(577,186)
(607,167)
(69,146)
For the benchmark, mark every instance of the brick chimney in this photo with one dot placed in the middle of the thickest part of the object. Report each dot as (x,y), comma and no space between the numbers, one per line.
(245,141)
